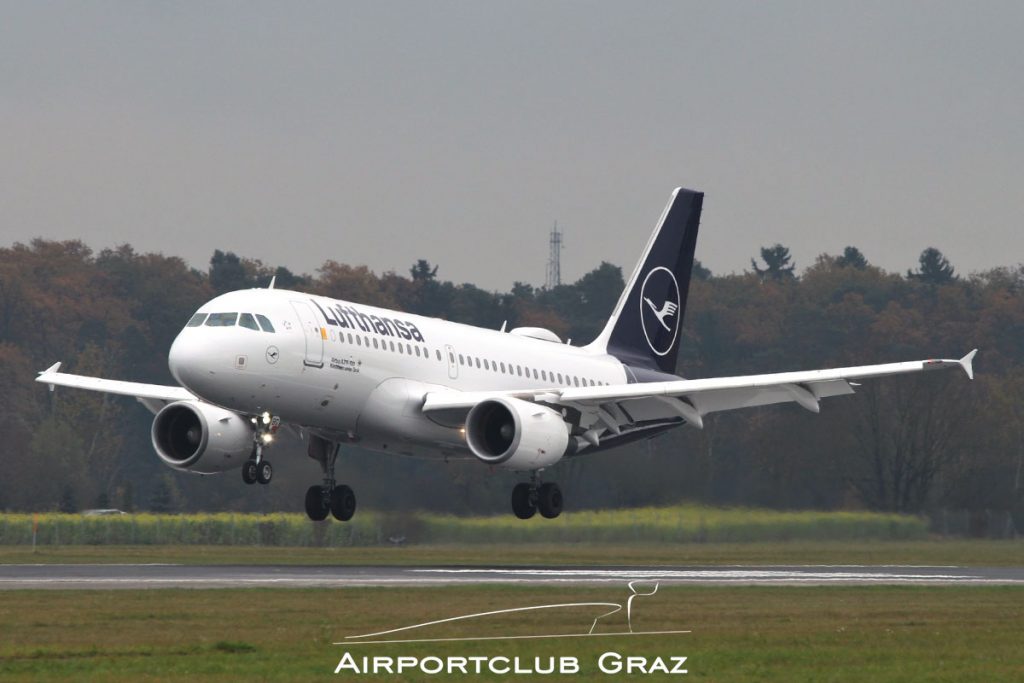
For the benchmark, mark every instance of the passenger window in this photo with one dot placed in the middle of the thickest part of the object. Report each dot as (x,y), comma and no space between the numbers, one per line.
(196,320)
(477,363)
(519,370)
(375,344)
(265,323)
(462,361)
(575,380)
(535,374)
(544,375)
(503,368)
(417,352)
(221,320)
(438,352)
(359,341)
(392,346)
(451,358)
(400,347)
(560,378)
(248,322)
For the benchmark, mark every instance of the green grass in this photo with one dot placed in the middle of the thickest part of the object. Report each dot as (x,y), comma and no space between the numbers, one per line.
(740,634)
(677,524)
(930,552)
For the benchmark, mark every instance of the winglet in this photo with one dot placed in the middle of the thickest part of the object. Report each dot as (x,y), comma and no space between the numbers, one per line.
(273,280)
(967,363)
(52,369)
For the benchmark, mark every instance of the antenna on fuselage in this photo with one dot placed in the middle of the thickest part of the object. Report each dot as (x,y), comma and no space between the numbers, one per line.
(273,279)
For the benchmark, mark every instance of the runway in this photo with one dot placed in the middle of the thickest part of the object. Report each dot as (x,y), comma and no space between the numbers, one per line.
(151,576)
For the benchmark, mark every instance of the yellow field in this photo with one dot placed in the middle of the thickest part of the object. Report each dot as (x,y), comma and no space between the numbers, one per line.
(677,524)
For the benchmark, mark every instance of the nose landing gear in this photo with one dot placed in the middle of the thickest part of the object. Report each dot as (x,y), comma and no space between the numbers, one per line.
(256,469)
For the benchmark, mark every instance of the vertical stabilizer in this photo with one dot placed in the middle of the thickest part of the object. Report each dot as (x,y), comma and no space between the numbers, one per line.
(645,327)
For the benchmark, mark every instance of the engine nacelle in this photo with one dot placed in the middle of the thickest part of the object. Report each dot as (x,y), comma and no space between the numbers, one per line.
(201,438)
(516,434)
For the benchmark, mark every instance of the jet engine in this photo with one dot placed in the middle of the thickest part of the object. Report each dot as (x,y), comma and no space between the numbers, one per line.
(201,438)
(516,434)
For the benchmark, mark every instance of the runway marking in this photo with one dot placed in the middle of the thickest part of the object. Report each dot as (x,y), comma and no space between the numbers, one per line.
(705,574)
(161,575)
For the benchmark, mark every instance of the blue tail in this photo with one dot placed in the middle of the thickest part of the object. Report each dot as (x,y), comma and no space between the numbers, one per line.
(644,329)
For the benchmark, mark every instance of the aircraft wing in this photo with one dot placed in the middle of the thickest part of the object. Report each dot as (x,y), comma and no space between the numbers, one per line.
(693,398)
(153,396)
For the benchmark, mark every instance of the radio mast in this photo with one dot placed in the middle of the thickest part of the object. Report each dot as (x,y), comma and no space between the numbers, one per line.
(555,258)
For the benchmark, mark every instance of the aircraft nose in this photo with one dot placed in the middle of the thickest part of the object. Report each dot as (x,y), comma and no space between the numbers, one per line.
(184,358)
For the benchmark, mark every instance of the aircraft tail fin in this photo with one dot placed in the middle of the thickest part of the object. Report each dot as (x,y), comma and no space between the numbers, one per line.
(644,328)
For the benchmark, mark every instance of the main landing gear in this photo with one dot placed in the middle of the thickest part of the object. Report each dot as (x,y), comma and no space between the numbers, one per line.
(256,469)
(528,498)
(330,498)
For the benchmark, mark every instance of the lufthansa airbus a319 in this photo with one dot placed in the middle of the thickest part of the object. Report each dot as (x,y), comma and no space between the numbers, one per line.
(338,372)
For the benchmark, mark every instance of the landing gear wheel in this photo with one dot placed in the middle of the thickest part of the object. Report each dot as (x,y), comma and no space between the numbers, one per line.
(264,472)
(249,472)
(316,509)
(343,503)
(522,506)
(549,500)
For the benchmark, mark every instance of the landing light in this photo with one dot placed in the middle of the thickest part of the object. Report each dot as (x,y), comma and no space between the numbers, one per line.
(267,438)
(266,418)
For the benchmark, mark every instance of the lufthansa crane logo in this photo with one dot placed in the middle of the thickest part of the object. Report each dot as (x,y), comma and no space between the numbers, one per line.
(659,309)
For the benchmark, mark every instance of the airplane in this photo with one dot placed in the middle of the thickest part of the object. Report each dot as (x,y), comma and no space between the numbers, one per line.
(340,373)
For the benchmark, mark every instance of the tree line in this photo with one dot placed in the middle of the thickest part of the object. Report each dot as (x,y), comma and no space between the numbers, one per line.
(907,444)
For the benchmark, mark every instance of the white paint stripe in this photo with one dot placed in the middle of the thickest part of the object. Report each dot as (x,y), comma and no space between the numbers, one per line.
(695,574)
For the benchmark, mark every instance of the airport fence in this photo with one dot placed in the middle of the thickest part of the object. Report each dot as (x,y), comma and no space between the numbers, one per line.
(678,524)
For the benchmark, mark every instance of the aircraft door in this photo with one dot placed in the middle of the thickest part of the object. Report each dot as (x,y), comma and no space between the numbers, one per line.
(453,366)
(313,332)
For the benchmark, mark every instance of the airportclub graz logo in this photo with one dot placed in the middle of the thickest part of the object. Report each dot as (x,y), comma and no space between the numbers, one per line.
(659,309)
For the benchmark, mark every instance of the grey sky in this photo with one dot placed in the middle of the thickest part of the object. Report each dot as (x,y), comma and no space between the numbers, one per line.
(381,132)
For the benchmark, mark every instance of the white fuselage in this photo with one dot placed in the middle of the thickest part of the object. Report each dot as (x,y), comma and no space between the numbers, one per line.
(356,373)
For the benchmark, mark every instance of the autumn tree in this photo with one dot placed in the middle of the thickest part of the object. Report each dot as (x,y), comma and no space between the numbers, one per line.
(933,268)
(852,258)
(777,263)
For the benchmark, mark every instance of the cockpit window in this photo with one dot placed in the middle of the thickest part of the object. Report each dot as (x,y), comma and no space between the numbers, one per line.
(221,319)
(246,320)
(264,323)
(196,320)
